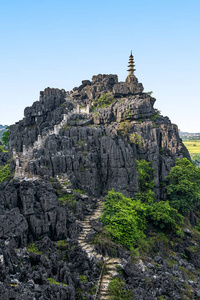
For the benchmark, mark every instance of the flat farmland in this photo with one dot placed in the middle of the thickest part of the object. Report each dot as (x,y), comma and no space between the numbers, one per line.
(193,146)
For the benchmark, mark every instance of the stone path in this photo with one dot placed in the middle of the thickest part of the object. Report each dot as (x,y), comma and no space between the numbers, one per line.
(23,158)
(110,263)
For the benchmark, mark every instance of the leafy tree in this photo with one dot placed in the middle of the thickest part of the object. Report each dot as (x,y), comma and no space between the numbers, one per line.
(183,185)
(162,215)
(124,218)
(145,181)
(5,137)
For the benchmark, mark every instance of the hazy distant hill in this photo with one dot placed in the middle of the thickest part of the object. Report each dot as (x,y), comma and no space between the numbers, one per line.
(2,129)
(189,135)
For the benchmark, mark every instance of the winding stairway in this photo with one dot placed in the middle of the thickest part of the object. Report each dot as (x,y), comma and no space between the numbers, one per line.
(23,158)
(109,269)
(110,264)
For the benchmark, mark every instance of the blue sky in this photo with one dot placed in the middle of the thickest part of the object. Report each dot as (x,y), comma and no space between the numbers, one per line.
(59,43)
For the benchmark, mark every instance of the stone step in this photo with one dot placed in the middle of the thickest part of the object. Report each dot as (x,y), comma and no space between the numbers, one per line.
(113,260)
(81,238)
(104,293)
(87,247)
(107,277)
(87,228)
(99,256)
(86,225)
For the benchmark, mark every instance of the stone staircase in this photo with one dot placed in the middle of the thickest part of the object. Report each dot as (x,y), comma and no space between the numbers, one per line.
(109,268)
(23,158)
(110,264)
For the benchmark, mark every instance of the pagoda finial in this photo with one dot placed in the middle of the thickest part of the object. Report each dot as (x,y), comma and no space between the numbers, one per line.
(131,65)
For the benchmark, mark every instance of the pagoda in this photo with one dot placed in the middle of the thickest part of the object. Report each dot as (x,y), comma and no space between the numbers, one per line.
(131,69)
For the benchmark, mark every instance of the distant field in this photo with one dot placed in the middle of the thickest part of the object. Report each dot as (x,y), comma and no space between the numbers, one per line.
(193,146)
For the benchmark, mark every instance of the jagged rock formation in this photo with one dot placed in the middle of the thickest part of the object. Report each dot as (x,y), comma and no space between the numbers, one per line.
(47,249)
(29,212)
(91,148)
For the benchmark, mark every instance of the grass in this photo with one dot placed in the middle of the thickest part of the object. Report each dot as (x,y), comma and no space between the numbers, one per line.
(33,248)
(193,146)
(52,281)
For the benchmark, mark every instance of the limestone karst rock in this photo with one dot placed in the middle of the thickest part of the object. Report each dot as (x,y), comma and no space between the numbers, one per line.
(64,158)
(91,148)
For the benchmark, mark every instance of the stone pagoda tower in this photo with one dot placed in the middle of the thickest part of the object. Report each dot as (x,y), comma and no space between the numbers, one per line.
(131,68)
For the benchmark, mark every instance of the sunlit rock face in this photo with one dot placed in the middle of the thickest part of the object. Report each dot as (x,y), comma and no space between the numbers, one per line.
(92,149)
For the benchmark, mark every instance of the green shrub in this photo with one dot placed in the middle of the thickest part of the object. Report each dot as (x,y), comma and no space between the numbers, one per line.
(33,248)
(162,215)
(145,181)
(123,218)
(2,149)
(83,278)
(52,281)
(79,191)
(136,139)
(183,185)
(4,172)
(104,101)
(125,128)
(67,198)
(117,290)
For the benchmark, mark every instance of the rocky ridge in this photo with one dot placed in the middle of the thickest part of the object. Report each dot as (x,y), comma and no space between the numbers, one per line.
(93,149)
(49,246)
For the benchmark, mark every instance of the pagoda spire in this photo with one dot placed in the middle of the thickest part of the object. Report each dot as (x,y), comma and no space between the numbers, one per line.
(131,65)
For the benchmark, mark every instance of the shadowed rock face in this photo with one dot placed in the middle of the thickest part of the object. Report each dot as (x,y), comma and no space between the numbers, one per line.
(30,213)
(93,150)
(96,152)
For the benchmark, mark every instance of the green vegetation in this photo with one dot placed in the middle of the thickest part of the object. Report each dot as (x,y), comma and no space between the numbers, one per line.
(193,146)
(61,244)
(125,128)
(136,139)
(162,215)
(67,198)
(33,248)
(183,185)
(52,281)
(83,278)
(117,290)
(125,220)
(4,172)
(2,149)
(5,137)
(79,191)
(103,238)
(104,101)
(145,181)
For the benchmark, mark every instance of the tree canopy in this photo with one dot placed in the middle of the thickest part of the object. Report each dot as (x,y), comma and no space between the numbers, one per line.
(183,185)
